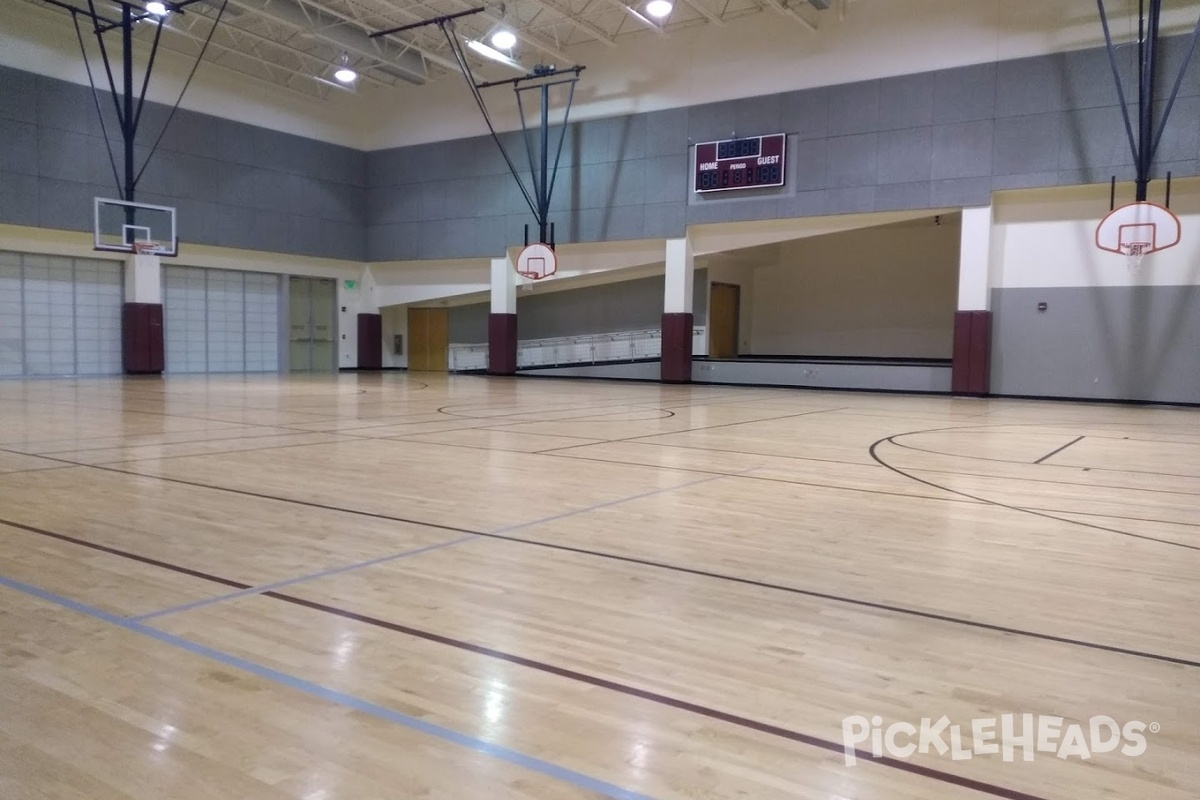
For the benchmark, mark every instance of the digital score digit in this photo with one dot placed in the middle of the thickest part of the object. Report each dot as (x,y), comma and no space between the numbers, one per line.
(750,163)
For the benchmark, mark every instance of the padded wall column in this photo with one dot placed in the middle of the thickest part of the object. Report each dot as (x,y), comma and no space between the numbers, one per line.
(502,322)
(973,320)
(368,322)
(370,341)
(676,364)
(142,316)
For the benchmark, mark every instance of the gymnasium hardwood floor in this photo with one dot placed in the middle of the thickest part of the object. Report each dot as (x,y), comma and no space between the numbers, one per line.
(414,586)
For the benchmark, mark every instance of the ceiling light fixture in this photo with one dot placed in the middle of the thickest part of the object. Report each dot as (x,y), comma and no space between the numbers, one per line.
(504,39)
(659,8)
(344,73)
(156,8)
(495,55)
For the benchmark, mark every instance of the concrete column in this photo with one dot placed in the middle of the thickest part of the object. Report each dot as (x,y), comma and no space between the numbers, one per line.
(973,319)
(676,364)
(142,316)
(502,322)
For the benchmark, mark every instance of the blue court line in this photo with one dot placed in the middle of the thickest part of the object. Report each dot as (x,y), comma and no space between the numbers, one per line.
(404,554)
(619,501)
(267,587)
(320,692)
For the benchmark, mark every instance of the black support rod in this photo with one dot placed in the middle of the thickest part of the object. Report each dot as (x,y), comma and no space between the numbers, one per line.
(127,112)
(442,20)
(1112,60)
(1147,53)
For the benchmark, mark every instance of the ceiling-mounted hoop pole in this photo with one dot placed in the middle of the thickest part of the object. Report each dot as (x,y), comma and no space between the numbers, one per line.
(1112,60)
(541,174)
(542,181)
(1144,144)
(127,103)
(1187,60)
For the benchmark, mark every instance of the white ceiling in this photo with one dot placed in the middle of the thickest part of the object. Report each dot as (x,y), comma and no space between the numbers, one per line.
(270,61)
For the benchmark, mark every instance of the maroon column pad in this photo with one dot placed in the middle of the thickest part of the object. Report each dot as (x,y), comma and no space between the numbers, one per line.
(676,348)
(370,341)
(502,344)
(142,338)
(972,352)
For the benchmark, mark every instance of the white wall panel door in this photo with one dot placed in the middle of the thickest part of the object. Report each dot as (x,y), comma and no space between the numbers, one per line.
(98,295)
(220,320)
(59,316)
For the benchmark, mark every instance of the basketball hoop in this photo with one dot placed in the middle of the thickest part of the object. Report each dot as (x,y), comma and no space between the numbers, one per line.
(537,261)
(147,248)
(1134,253)
(1136,230)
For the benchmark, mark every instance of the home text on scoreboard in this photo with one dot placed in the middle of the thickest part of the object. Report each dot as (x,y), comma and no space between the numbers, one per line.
(749,163)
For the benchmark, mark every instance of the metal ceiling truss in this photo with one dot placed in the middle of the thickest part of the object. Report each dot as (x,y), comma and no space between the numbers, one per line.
(297,44)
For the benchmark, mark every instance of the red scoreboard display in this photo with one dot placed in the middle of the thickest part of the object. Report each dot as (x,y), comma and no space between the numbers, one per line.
(741,163)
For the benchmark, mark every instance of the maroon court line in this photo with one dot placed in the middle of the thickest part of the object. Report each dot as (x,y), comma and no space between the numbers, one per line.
(684,570)
(154,562)
(660,699)
(603,683)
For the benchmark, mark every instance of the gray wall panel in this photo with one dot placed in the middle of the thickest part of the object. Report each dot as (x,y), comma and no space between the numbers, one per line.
(906,102)
(962,150)
(18,96)
(18,147)
(904,156)
(1121,343)
(1026,145)
(941,138)
(216,172)
(852,160)
(897,196)
(664,131)
(665,220)
(19,203)
(964,94)
(854,200)
(855,109)
(806,113)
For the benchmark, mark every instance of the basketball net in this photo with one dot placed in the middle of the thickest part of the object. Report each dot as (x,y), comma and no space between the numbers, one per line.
(1134,253)
(145,248)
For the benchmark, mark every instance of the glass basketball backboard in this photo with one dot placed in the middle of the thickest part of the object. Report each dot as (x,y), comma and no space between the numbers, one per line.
(122,227)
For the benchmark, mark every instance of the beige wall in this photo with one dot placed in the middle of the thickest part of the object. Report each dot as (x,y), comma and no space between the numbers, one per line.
(888,291)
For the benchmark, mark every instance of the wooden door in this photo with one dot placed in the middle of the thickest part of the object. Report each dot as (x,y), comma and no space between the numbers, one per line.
(428,340)
(724,306)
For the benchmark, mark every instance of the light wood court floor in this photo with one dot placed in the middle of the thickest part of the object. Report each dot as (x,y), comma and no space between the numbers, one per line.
(402,586)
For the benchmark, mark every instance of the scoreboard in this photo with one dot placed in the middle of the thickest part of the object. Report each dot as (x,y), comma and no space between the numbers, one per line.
(740,163)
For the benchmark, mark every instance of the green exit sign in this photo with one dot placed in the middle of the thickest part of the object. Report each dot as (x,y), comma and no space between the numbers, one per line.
(351,284)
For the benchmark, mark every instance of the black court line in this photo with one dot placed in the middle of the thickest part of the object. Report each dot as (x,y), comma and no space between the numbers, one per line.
(1023,463)
(693,430)
(763,477)
(35,469)
(682,570)
(1022,479)
(170,444)
(569,674)
(890,440)
(231,452)
(1111,516)
(1060,449)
